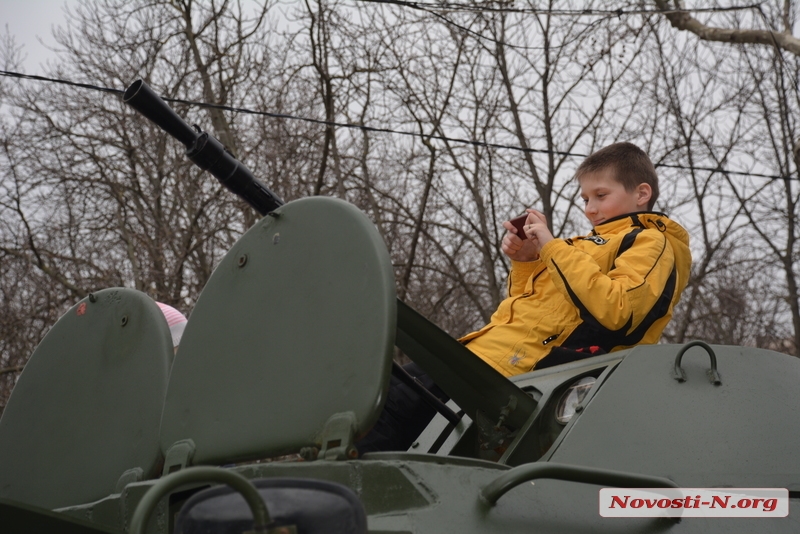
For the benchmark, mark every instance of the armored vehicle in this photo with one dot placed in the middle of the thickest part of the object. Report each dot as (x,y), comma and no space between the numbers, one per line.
(287,357)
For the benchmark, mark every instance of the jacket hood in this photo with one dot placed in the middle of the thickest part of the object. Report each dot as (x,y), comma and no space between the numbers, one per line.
(676,234)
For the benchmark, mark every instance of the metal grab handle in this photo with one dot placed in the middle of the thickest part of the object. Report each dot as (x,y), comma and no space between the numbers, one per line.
(713,375)
(571,473)
(200,474)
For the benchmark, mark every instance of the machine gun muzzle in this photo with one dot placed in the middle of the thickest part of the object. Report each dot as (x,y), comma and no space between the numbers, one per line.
(204,150)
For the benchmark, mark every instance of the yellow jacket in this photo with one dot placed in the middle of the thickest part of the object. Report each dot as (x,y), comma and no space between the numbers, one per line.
(613,288)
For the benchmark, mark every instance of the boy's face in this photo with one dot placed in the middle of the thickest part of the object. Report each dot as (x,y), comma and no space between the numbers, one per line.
(605,198)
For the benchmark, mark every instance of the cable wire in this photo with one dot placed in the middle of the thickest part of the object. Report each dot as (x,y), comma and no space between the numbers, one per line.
(606,14)
(364,128)
(484,7)
(423,6)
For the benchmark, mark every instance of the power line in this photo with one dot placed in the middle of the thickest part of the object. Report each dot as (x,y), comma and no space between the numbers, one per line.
(486,7)
(63,82)
(374,129)
(431,8)
(423,6)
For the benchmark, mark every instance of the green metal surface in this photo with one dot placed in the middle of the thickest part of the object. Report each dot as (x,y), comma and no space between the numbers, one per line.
(424,493)
(18,518)
(88,404)
(741,433)
(295,325)
(406,495)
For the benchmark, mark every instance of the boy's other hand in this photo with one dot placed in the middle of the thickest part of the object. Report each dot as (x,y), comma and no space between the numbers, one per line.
(537,231)
(518,249)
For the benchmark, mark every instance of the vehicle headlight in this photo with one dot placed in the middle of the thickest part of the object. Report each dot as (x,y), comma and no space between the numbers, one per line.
(572,397)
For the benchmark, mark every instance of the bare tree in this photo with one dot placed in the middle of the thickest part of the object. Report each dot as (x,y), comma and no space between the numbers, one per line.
(92,195)
(495,109)
(766,101)
(687,143)
(725,312)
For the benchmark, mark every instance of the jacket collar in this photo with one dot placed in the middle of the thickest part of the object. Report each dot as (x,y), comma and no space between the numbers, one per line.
(640,219)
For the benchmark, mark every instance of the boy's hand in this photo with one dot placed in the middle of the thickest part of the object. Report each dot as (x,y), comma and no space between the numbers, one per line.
(516,248)
(536,230)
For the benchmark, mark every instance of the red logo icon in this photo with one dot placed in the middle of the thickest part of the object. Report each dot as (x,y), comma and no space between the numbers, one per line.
(81,308)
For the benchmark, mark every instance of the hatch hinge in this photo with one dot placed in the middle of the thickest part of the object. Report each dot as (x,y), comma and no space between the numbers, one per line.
(179,456)
(338,437)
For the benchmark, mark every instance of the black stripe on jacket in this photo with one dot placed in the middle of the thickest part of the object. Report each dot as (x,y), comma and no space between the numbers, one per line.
(590,332)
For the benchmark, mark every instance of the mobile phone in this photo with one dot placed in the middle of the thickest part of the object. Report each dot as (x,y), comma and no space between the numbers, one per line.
(518,223)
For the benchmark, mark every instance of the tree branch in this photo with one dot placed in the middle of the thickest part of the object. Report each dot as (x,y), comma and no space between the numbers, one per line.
(683,21)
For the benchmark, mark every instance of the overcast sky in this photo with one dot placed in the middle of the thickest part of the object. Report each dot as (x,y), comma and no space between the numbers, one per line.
(30,21)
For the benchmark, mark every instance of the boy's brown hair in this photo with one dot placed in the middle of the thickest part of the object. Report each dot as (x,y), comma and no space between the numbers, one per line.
(631,164)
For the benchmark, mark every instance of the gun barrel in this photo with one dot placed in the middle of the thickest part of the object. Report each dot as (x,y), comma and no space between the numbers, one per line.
(210,155)
(204,150)
(143,99)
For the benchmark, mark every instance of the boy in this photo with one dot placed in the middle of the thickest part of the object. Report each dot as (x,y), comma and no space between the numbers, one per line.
(570,298)
(611,289)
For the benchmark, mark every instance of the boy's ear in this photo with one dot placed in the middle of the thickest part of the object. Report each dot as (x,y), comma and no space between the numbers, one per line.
(643,194)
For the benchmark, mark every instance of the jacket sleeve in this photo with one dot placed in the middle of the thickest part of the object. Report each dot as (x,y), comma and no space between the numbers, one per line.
(521,272)
(626,294)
